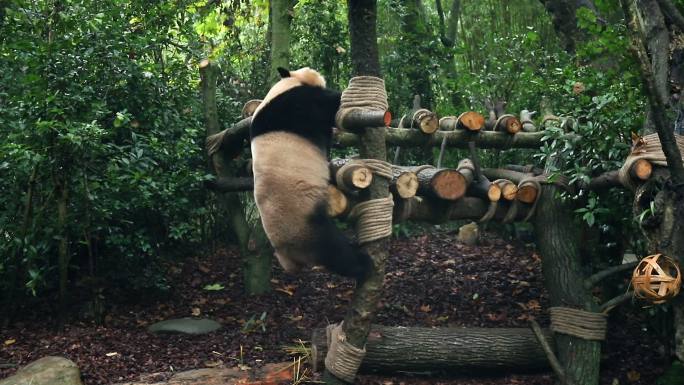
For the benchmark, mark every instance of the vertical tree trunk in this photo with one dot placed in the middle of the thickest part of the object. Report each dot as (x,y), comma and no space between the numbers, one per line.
(364,48)
(558,239)
(280,36)
(257,264)
(62,197)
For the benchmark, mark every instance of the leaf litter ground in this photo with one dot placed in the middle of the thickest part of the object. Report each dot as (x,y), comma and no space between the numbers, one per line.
(431,280)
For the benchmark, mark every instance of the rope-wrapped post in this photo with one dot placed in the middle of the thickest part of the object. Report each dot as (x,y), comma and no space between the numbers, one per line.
(365,96)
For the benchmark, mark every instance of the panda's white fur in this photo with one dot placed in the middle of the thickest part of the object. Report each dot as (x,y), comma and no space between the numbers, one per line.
(290,134)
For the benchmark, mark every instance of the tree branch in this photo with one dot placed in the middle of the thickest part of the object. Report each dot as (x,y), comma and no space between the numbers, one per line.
(597,277)
(665,132)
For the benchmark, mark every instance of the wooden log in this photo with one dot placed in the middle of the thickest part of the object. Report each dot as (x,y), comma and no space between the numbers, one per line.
(485,189)
(446,350)
(435,211)
(358,119)
(466,167)
(249,107)
(338,204)
(509,190)
(641,170)
(508,123)
(526,121)
(527,169)
(229,141)
(470,120)
(500,173)
(456,139)
(443,183)
(350,177)
(404,183)
(424,120)
(527,191)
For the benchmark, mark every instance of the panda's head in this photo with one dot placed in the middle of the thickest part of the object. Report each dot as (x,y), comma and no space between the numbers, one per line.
(304,76)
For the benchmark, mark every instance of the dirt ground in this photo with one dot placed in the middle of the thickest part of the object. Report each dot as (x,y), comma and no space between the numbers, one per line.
(431,281)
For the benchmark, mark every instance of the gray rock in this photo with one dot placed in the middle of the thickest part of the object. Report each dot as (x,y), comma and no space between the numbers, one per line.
(185,326)
(48,370)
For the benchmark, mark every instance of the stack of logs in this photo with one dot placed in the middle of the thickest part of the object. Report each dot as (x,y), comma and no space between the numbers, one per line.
(427,193)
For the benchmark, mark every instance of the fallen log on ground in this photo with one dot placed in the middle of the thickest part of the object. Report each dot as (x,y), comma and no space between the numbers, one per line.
(447,350)
(404,183)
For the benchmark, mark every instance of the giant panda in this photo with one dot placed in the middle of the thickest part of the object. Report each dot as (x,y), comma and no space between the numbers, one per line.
(290,135)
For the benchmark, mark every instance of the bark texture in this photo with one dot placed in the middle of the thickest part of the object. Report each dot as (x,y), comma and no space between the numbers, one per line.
(451,350)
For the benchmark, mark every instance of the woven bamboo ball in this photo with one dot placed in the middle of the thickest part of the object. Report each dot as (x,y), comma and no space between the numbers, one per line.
(656,279)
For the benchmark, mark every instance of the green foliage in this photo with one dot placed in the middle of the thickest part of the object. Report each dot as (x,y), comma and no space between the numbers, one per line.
(99,100)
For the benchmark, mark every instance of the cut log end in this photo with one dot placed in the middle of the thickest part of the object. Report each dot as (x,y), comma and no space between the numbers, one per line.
(494,192)
(387,118)
(204,63)
(249,107)
(407,185)
(508,189)
(449,184)
(527,193)
(471,121)
(361,177)
(641,169)
(337,201)
(429,124)
(512,125)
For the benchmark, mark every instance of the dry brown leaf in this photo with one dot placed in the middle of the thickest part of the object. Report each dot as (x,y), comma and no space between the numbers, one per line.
(10,341)
(196,311)
(425,308)
(633,376)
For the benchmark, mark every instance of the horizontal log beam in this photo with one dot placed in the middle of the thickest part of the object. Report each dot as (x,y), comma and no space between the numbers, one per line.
(438,211)
(458,138)
(443,350)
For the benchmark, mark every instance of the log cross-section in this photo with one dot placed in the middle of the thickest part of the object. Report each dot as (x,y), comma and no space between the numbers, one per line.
(443,183)
(350,177)
(469,120)
(404,183)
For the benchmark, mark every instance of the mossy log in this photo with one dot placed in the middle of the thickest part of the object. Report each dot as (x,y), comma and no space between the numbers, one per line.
(443,350)
(404,137)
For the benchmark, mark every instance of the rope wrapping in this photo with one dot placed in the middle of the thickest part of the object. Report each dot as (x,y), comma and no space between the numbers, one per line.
(652,151)
(365,93)
(373,219)
(343,359)
(578,323)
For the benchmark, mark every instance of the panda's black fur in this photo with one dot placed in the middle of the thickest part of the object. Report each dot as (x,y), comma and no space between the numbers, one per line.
(305,111)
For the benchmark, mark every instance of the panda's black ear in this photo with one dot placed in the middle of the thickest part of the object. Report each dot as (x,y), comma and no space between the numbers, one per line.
(284,72)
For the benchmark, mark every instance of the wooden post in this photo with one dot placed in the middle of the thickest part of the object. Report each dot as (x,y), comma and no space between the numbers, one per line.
(362,16)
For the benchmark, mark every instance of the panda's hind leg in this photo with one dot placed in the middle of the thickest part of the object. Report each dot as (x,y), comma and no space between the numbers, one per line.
(288,264)
(334,251)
